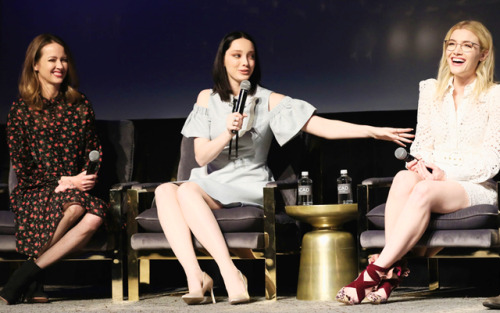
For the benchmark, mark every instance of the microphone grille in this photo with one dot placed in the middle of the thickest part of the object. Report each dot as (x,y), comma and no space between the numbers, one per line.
(94,155)
(400,153)
(245,85)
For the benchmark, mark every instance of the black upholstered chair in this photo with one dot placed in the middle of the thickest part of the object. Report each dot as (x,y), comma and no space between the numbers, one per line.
(266,231)
(470,232)
(115,174)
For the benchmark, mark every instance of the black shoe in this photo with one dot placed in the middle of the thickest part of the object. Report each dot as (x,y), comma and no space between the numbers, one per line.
(35,292)
(18,282)
(492,303)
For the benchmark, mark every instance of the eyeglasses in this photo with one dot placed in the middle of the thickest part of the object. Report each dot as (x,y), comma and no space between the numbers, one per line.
(467,46)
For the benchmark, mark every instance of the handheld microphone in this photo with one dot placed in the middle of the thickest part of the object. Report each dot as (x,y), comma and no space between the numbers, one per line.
(93,162)
(242,98)
(403,155)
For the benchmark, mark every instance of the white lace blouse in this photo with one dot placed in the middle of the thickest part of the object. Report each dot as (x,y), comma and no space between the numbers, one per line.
(465,142)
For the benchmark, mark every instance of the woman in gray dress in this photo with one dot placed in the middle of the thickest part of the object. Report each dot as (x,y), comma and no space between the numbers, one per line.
(222,181)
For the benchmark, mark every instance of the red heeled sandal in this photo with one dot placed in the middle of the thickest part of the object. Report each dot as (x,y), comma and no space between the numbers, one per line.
(395,275)
(362,286)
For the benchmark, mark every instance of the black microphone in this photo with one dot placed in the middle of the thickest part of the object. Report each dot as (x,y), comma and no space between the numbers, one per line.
(403,155)
(93,162)
(242,98)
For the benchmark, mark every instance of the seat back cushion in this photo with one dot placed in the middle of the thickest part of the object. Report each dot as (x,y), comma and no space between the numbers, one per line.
(7,224)
(483,216)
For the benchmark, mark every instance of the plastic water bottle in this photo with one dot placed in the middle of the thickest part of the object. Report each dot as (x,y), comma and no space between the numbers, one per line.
(305,190)
(344,188)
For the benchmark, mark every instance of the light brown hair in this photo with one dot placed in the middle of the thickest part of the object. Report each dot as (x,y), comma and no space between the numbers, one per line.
(29,84)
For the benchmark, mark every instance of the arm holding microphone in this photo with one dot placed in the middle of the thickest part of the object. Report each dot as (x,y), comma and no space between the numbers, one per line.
(205,149)
(84,181)
(427,170)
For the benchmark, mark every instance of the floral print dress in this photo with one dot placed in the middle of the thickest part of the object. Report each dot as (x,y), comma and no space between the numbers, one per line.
(45,145)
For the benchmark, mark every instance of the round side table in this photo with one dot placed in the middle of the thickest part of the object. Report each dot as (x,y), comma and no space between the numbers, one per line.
(328,254)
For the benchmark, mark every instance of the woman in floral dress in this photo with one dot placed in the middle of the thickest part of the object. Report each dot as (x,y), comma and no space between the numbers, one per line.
(50,132)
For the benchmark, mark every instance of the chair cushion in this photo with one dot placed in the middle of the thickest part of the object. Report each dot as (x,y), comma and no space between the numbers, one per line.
(462,238)
(239,219)
(7,224)
(155,241)
(483,216)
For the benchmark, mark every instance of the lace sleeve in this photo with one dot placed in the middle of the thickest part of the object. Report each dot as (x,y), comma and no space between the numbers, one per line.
(423,144)
(484,163)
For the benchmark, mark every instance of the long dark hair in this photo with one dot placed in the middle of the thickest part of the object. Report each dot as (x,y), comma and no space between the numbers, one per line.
(219,74)
(29,84)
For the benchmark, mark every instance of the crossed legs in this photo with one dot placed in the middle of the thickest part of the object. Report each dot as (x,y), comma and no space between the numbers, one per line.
(66,241)
(409,205)
(187,208)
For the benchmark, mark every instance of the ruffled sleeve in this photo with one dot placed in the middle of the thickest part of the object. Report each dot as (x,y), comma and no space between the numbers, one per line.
(197,123)
(288,118)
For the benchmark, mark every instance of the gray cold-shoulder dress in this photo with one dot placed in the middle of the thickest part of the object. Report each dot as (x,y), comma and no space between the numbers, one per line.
(240,180)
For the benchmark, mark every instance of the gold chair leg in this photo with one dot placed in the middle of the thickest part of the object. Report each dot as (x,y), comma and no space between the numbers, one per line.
(270,249)
(117,279)
(433,268)
(144,271)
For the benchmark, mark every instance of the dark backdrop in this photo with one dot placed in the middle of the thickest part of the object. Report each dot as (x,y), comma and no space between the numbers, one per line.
(149,59)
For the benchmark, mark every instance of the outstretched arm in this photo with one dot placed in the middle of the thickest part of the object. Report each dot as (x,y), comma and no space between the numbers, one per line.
(335,129)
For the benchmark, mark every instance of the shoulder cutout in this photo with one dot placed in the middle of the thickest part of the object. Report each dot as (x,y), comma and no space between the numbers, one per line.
(203,98)
(274,99)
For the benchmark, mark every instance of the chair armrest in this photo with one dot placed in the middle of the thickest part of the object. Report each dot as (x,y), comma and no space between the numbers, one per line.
(124,186)
(149,187)
(378,181)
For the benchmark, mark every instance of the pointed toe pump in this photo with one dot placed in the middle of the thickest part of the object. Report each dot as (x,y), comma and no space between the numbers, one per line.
(243,297)
(200,296)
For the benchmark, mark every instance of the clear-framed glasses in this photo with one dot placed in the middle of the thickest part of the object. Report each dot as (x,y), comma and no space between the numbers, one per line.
(467,46)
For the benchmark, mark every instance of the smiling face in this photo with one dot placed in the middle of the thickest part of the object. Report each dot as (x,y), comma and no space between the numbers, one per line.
(239,61)
(52,67)
(464,64)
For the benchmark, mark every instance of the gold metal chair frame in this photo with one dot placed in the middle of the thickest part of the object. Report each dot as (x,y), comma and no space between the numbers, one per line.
(138,261)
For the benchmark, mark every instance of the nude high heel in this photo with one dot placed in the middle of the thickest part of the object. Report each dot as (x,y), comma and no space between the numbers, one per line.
(243,297)
(199,297)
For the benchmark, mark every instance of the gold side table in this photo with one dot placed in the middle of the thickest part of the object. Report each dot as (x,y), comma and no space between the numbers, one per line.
(328,254)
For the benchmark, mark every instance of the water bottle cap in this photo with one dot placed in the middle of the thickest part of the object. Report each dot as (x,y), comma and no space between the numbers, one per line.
(343,172)
(305,173)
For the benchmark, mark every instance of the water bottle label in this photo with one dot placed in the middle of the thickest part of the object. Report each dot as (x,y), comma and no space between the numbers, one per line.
(344,189)
(305,190)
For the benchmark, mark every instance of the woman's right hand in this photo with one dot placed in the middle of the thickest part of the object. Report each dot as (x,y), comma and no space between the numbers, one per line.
(82,182)
(234,121)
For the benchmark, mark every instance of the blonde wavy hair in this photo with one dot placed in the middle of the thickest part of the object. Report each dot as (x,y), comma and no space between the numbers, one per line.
(484,70)
(30,88)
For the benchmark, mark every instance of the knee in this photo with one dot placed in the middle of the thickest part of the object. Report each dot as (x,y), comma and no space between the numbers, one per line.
(187,190)
(74,212)
(165,189)
(404,179)
(92,222)
(420,195)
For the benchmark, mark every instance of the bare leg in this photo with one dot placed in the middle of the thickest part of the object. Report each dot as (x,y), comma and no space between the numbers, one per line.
(426,197)
(196,207)
(178,233)
(70,217)
(400,191)
(73,240)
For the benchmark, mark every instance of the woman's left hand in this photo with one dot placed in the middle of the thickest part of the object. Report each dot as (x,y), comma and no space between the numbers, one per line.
(398,135)
(423,170)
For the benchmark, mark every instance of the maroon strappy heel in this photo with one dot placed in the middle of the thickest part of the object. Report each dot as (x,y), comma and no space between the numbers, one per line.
(394,275)
(362,286)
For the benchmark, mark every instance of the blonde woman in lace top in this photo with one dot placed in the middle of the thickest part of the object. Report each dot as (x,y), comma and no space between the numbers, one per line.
(457,146)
